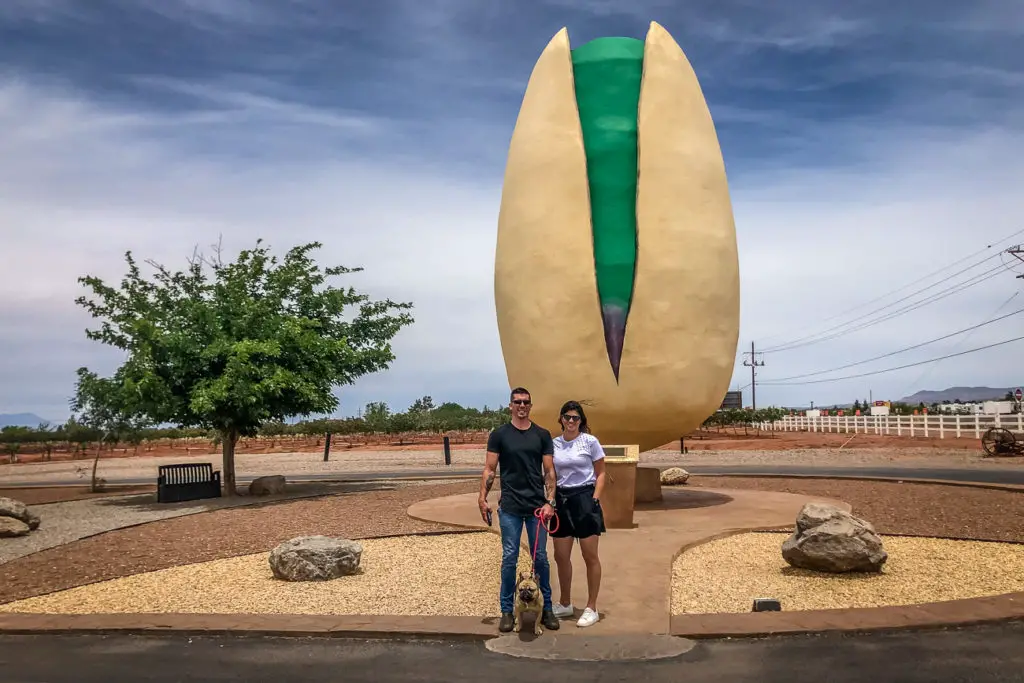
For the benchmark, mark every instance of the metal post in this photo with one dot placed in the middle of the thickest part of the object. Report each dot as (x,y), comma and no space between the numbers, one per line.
(447,451)
(327,447)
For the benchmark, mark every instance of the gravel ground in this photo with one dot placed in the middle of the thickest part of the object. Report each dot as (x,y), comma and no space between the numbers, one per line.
(373,510)
(259,464)
(911,509)
(65,522)
(408,575)
(363,511)
(748,566)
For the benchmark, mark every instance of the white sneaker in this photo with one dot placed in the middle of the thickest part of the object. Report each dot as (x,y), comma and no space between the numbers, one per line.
(589,618)
(562,611)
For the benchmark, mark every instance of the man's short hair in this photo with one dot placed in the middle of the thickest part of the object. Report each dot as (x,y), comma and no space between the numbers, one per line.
(517,390)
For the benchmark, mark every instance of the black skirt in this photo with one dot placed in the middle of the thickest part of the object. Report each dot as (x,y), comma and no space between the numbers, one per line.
(579,515)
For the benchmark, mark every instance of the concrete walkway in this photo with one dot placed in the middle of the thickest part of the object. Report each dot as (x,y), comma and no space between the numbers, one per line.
(636,563)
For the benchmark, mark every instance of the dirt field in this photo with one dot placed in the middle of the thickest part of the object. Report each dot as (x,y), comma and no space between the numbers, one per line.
(778,448)
(728,438)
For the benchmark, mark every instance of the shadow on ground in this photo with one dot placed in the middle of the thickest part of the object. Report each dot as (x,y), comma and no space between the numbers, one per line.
(683,499)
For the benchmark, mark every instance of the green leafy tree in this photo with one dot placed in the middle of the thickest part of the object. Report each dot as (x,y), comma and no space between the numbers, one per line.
(103,404)
(422,405)
(12,437)
(376,416)
(230,346)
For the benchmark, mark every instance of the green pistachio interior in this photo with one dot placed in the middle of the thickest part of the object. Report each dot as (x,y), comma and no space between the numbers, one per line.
(607,73)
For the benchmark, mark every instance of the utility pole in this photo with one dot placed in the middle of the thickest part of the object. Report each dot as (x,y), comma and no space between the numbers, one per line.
(754,363)
(1018,252)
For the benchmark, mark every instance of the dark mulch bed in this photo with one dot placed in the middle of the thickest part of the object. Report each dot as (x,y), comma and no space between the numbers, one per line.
(910,509)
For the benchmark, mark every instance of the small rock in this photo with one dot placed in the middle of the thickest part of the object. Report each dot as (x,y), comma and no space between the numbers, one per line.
(315,558)
(12,528)
(267,486)
(18,510)
(829,539)
(674,476)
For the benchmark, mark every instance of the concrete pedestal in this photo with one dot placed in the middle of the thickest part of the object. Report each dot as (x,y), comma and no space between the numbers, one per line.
(648,485)
(619,495)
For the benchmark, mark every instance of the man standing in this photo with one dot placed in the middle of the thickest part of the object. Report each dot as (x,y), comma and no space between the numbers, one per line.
(525,453)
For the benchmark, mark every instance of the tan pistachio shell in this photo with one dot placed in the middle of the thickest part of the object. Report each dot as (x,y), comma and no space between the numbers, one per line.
(683,326)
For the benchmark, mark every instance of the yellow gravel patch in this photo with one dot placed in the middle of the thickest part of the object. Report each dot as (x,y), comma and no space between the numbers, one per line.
(728,574)
(455,575)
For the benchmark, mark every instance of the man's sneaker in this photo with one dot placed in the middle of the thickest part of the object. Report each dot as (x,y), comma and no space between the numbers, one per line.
(506,623)
(563,611)
(589,618)
(548,620)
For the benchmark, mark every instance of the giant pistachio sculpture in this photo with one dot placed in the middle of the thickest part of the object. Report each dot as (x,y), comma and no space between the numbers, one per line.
(616,272)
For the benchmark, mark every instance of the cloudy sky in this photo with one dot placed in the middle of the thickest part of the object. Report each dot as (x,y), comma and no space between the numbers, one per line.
(869,144)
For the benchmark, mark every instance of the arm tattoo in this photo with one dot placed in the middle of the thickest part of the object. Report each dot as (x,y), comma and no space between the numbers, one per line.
(549,483)
(489,483)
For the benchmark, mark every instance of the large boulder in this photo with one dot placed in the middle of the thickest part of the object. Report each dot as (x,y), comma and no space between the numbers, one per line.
(674,476)
(267,486)
(829,539)
(17,510)
(12,528)
(315,558)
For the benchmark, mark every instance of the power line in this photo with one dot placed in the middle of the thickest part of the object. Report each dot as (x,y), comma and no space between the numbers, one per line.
(920,279)
(961,343)
(938,296)
(901,367)
(797,342)
(893,353)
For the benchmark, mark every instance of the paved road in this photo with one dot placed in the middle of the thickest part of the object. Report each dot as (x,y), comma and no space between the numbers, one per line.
(980,654)
(987,476)
(979,475)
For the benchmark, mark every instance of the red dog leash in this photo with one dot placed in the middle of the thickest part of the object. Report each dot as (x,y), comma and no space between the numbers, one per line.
(536,538)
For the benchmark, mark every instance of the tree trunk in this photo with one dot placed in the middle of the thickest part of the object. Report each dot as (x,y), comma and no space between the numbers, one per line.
(94,486)
(229,438)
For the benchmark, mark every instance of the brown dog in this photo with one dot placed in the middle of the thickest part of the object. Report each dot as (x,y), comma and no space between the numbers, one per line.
(528,599)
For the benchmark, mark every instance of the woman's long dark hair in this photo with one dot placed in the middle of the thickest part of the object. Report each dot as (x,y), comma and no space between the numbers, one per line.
(574,405)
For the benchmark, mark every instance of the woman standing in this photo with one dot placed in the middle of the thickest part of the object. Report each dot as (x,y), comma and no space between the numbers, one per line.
(579,467)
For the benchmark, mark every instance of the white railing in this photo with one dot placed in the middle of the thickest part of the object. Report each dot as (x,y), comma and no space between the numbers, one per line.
(941,426)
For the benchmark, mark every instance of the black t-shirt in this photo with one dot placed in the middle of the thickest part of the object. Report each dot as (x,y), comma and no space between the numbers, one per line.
(521,466)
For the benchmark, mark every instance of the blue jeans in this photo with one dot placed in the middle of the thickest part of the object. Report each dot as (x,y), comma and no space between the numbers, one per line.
(511,535)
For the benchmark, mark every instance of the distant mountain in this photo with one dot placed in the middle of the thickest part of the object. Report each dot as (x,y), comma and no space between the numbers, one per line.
(21,420)
(965,394)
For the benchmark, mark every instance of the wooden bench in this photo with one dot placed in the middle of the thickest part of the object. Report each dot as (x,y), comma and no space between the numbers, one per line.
(191,481)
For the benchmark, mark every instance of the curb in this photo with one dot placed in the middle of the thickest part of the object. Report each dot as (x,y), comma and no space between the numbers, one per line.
(935,615)
(245,625)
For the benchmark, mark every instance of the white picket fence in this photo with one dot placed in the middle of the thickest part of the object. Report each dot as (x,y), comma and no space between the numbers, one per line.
(941,426)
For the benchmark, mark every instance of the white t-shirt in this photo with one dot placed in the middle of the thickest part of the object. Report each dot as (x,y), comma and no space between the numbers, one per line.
(574,460)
